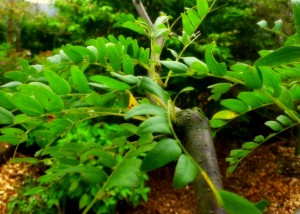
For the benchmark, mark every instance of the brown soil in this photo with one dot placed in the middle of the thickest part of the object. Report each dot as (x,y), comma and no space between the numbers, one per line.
(270,172)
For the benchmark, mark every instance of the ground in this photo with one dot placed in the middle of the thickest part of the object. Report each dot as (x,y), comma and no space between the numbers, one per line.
(270,172)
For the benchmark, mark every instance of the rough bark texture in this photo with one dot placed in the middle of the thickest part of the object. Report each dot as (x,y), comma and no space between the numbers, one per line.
(194,130)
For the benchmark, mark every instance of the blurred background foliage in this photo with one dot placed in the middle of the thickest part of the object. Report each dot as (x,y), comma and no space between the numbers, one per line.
(232,24)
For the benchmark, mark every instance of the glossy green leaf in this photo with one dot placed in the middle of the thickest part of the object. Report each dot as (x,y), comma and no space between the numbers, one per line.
(57,83)
(126,174)
(225,114)
(16,76)
(145,109)
(219,89)
(176,67)
(156,124)
(202,8)
(110,82)
(198,69)
(187,25)
(166,151)
(281,56)
(250,99)
(235,204)
(185,172)
(274,125)
(152,87)
(266,99)
(114,57)
(235,105)
(284,120)
(6,117)
(252,78)
(27,104)
(134,27)
(79,80)
(218,69)
(127,64)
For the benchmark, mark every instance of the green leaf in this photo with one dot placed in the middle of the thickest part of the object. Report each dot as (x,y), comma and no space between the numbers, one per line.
(286,98)
(217,123)
(198,69)
(134,27)
(185,172)
(110,82)
(235,204)
(176,67)
(27,104)
(152,87)
(271,81)
(11,139)
(16,76)
(249,145)
(281,56)
(250,99)
(45,96)
(33,161)
(79,80)
(85,53)
(274,125)
(224,114)
(5,101)
(156,124)
(235,105)
(296,13)
(219,89)
(6,117)
(126,174)
(218,69)
(35,190)
(145,109)
(102,157)
(114,57)
(72,54)
(194,18)
(166,151)
(187,25)
(57,83)
(252,78)
(202,8)
(128,66)
(90,174)
(284,120)
(130,79)
(84,200)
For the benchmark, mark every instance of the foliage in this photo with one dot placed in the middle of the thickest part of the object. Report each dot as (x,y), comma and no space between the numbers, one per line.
(116,77)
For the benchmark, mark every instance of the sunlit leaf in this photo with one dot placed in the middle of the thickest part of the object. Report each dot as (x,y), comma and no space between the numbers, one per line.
(202,8)
(176,67)
(79,80)
(156,124)
(145,109)
(274,125)
(57,83)
(187,25)
(27,104)
(235,105)
(224,114)
(218,69)
(110,82)
(114,57)
(284,120)
(250,99)
(194,18)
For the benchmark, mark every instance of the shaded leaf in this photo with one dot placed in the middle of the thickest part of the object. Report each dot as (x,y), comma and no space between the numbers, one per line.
(164,152)
(6,117)
(110,82)
(185,172)
(152,87)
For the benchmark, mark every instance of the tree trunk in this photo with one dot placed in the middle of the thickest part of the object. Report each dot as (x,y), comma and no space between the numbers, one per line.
(194,131)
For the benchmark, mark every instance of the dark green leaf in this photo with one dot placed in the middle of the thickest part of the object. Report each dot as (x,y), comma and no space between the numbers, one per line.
(101,156)
(164,152)
(185,172)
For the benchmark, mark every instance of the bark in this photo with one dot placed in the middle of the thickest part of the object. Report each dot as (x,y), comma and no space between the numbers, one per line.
(194,131)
